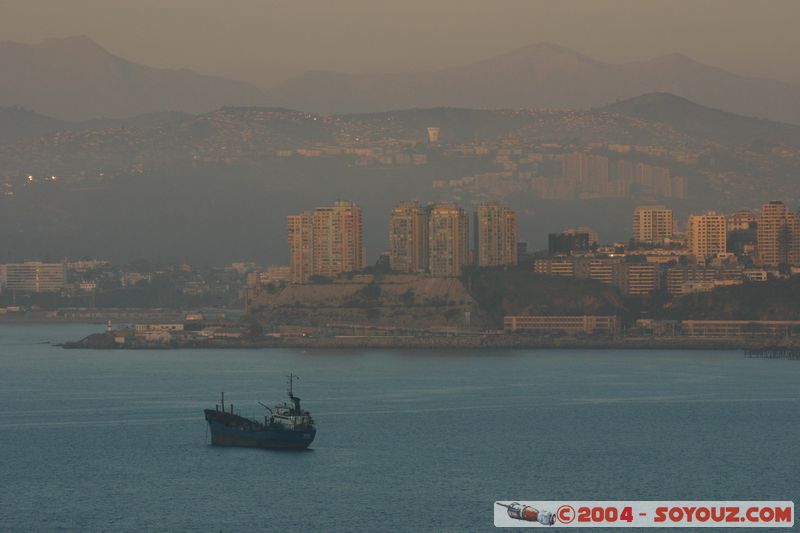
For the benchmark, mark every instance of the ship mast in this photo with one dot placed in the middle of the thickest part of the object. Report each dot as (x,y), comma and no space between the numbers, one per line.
(291,378)
(295,401)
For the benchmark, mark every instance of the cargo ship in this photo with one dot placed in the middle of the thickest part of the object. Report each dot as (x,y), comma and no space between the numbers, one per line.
(287,426)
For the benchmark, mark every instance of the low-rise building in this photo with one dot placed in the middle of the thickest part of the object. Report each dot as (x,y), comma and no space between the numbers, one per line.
(755,274)
(130,279)
(87,286)
(222,332)
(159,326)
(566,324)
(273,274)
(555,267)
(243,267)
(639,279)
(602,269)
(657,327)
(685,280)
(33,276)
(740,328)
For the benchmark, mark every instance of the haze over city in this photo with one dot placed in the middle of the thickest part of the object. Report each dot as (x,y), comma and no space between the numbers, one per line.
(477,237)
(265,42)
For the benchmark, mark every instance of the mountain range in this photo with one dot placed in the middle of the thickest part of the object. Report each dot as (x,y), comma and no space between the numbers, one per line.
(76,79)
(542,75)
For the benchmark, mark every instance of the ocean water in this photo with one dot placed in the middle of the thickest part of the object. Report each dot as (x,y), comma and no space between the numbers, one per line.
(407,440)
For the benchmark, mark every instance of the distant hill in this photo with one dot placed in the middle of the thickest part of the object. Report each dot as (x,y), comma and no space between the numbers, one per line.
(143,121)
(248,134)
(628,120)
(542,75)
(700,122)
(218,186)
(76,79)
(17,124)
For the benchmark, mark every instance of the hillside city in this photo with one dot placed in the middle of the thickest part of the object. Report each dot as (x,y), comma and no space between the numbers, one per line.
(210,188)
(649,218)
(328,266)
(609,154)
(445,273)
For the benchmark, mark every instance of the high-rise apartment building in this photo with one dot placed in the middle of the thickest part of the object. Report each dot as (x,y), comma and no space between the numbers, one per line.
(326,242)
(589,171)
(496,235)
(300,246)
(593,236)
(742,236)
(652,224)
(337,238)
(567,243)
(408,238)
(777,235)
(448,238)
(575,166)
(707,234)
(741,221)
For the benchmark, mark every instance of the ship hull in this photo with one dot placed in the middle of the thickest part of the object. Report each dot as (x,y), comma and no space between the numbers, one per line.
(272,439)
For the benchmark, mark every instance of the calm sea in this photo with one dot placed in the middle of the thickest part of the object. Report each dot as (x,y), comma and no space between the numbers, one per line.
(407,440)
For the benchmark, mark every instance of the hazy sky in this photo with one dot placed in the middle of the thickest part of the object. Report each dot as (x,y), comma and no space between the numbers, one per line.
(264,41)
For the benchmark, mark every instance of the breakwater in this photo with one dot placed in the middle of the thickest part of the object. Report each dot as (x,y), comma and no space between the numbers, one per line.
(105,341)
